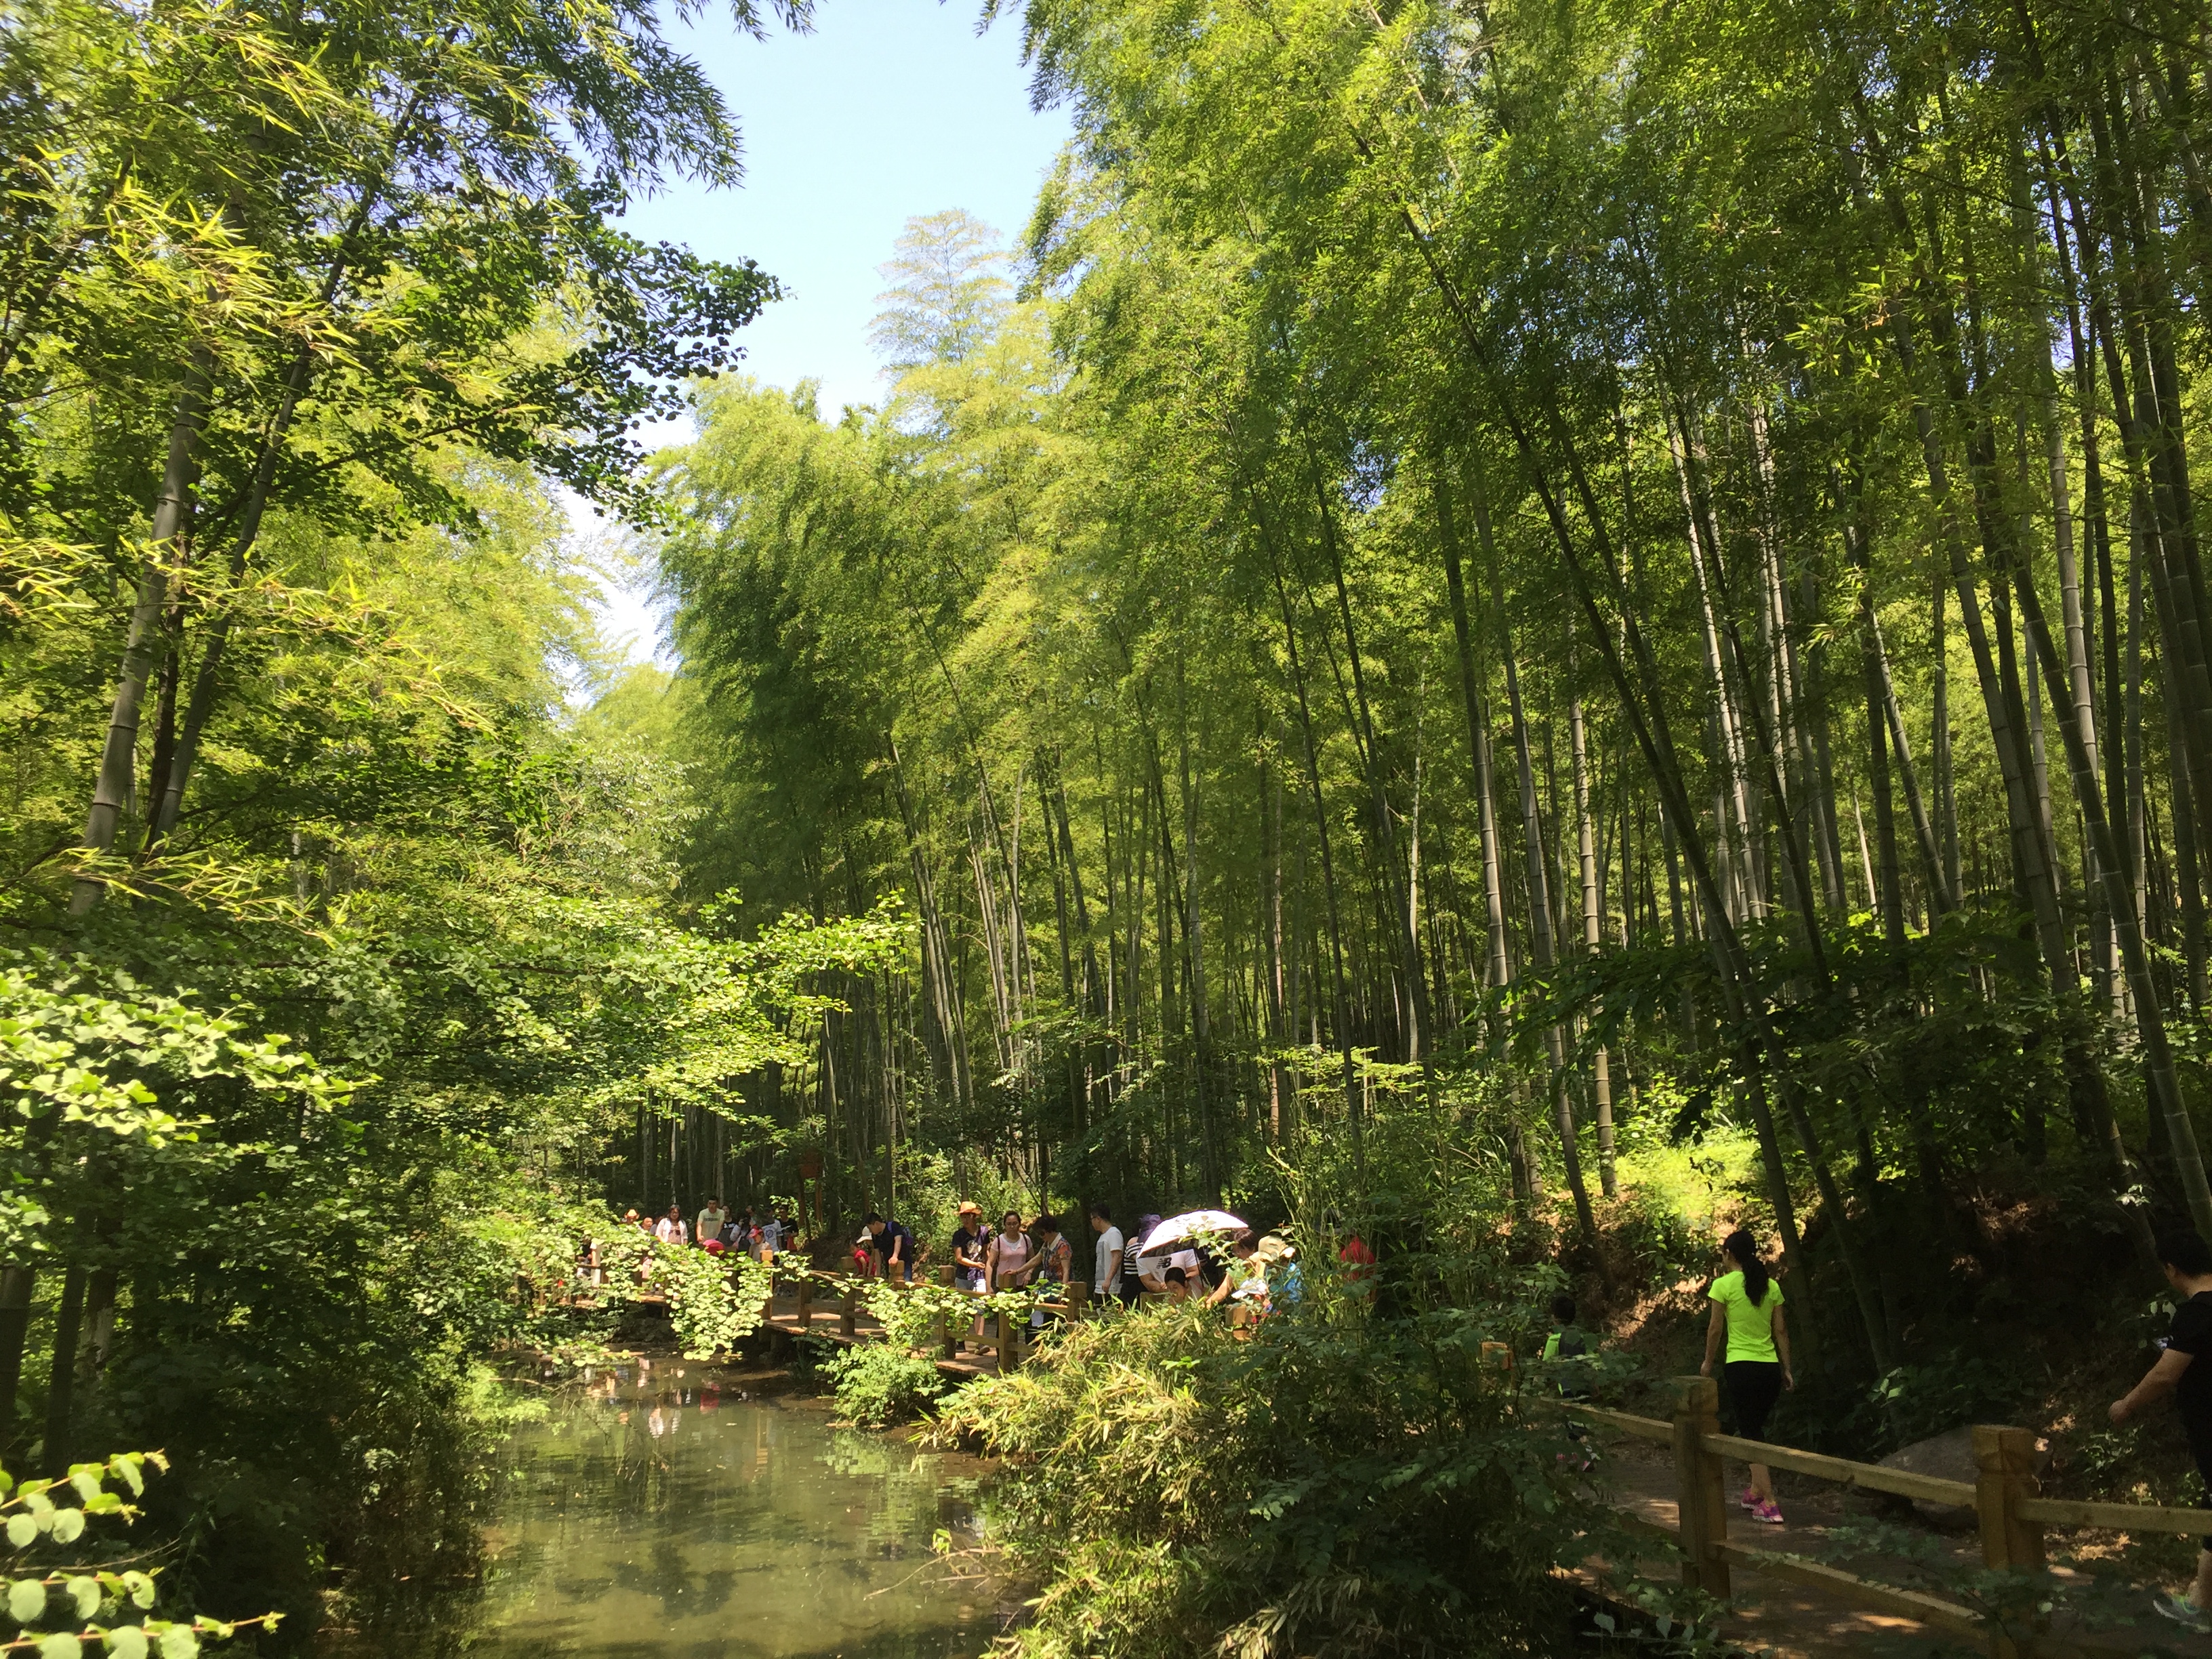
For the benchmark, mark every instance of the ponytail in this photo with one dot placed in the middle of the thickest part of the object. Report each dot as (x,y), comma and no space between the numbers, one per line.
(1744,1248)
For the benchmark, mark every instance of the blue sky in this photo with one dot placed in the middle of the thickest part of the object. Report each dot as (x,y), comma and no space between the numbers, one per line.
(888,109)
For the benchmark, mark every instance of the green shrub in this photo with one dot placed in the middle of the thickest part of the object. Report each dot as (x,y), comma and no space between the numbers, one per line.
(1913,1402)
(878,1384)
(1340,1485)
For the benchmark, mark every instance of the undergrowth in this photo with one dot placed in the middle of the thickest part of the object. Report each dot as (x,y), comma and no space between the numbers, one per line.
(1343,1484)
(878,1384)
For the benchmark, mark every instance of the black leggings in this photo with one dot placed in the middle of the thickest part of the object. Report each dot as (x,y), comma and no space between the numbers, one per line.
(1753,1386)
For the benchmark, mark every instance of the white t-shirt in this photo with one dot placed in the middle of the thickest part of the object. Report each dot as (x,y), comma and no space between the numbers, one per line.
(669,1231)
(1106,1276)
(710,1224)
(1186,1259)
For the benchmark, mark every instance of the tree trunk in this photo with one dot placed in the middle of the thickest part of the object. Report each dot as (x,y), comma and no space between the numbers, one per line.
(119,760)
(61,1387)
(1593,934)
(1539,914)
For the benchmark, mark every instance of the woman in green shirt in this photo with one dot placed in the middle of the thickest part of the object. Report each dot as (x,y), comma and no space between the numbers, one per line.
(1747,1318)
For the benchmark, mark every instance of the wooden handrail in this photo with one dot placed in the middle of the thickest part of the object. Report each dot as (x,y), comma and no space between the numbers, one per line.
(2116,1518)
(2002,1496)
(1644,1428)
(1843,1471)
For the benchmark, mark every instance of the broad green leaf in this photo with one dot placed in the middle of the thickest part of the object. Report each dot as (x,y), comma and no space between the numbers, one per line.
(21,1529)
(27,1601)
(127,1642)
(69,1526)
(179,1642)
(86,1593)
(62,1644)
(139,1587)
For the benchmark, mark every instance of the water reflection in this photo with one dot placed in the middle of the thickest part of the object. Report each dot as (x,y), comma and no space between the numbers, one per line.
(659,1513)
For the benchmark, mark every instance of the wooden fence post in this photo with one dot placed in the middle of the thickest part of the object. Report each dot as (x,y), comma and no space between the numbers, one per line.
(805,1300)
(2004,1476)
(1700,1490)
(1078,1298)
(1009,1342)
(2005,1463)
(847,1311)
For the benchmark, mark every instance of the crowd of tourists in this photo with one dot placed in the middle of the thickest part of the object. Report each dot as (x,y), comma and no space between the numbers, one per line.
(1250,1274)
(719,1230)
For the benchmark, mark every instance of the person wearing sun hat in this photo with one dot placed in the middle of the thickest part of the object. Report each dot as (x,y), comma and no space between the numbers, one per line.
(968,1248)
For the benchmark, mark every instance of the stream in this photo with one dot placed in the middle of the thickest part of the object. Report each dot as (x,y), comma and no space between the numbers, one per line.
(668,1512)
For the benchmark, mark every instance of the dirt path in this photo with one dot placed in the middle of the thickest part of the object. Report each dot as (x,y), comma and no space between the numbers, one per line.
(1796,1621)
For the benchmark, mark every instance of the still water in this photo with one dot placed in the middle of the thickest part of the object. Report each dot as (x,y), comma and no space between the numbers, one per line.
(668,1513)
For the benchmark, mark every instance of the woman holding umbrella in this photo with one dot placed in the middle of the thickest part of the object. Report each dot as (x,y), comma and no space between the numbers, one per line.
(1171,1244)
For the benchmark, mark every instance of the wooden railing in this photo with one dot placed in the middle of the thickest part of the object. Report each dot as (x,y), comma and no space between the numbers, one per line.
(2010,1513)
(1004,1335)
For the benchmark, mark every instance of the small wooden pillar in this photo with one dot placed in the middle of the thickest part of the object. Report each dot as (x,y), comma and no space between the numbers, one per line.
(849,1308)
(2004,1477)
(1495,1362)
(1700,1487)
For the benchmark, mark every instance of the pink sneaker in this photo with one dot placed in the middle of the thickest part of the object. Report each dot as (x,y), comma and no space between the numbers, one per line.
(1768,1513)
(1748,1499)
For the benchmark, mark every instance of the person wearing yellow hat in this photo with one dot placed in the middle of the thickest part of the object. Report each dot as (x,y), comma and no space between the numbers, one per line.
(968,1248)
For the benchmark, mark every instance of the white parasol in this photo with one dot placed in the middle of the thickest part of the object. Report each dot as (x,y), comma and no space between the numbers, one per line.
(1177,1229)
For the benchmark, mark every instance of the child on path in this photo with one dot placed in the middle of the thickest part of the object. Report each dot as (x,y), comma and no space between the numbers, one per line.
(1567,1344)
(1567,1340)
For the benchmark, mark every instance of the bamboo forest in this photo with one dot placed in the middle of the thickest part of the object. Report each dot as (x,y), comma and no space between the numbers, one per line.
(1490,643)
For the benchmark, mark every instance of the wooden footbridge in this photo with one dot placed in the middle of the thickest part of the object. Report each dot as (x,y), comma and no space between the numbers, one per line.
(833,1308)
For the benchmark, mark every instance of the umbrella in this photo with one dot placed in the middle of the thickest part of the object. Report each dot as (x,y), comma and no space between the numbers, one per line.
(1178,1228)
